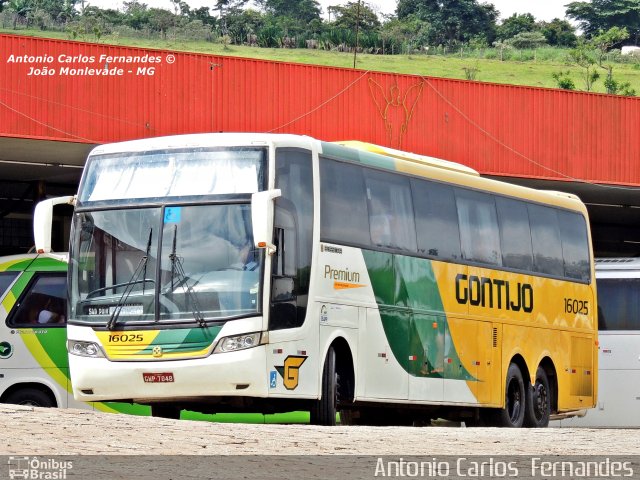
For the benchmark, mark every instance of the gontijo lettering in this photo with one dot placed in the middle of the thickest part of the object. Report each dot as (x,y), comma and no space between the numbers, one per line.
(496,293)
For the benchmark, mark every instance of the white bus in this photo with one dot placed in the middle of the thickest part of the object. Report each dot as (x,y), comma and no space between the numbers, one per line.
(268,273)
(618,281)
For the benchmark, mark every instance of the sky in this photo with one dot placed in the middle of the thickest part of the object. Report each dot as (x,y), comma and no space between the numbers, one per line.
(541,9)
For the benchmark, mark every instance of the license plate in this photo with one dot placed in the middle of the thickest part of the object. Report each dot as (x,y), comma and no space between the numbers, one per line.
(166,377)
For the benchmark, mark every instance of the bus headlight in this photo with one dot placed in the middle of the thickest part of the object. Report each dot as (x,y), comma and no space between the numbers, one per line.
(239,342)
(84,349)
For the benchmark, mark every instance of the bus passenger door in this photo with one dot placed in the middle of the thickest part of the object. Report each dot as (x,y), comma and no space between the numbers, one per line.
(426,354)
(385,376)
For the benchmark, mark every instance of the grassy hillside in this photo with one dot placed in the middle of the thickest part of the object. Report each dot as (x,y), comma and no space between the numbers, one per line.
(532,68)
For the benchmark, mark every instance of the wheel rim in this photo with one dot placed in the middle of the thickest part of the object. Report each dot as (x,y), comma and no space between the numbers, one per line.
(514,400)
(540,400)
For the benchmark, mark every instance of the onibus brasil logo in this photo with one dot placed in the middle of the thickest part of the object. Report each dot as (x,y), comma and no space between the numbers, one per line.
(38,468)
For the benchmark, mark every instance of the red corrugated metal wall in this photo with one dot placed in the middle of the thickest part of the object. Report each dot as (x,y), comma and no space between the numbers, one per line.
(497,129)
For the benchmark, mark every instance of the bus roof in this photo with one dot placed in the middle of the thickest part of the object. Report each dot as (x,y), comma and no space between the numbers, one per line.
(445,171)
(203,140)
(409,157)
(361,152)
(33,261)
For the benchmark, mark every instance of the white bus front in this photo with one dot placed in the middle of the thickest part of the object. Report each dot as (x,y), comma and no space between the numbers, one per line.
(166,280)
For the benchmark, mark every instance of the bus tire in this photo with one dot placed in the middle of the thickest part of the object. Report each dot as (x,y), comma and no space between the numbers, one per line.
(512,415)
(32,397)
(161,410)
(538,402)
(323,412)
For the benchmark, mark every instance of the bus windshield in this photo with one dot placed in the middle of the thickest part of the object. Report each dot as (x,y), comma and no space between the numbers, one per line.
(157,174)
(171,264)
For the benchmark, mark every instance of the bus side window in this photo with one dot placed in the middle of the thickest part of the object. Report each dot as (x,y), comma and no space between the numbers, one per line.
(618,304)
(391,219)
(515,234)
(575,245)
(344,215)
(436,220)
(545,239)
(479,236)
(43,303)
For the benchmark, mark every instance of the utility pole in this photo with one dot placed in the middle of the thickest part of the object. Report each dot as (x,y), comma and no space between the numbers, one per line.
(355,51)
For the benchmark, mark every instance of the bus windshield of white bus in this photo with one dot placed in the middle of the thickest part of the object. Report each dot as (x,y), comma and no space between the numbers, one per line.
(174,173)
(157,257)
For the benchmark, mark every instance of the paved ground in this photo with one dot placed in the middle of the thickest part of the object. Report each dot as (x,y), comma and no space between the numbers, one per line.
(34,431)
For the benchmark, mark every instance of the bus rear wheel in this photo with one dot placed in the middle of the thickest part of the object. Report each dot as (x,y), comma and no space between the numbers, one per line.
(512,415)
(323,412)
(31,397)
(538,404)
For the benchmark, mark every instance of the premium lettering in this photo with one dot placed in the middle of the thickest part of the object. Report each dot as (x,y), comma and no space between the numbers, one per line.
(485,292)
(341,275)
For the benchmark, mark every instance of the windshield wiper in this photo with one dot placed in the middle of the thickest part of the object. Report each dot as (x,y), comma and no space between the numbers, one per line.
(133,281)
(176,268)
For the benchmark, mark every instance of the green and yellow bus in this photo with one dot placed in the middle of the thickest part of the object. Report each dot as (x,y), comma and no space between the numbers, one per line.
(34,366)
(271,273)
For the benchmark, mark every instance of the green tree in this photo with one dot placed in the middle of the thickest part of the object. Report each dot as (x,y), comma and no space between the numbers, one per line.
(21,9)
(68,10)
(559,33)
(228,9)
(410,32)
(300,10)
(362,13)
(584,56)
(452,21)
(515,24)
(527,40)
(598,15)
(161,20)
(241,24)
(204,15)
(603,42)
(226,6)
(563,79)
(136,14)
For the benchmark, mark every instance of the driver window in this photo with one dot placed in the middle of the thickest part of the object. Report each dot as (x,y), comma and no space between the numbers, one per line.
(44,303)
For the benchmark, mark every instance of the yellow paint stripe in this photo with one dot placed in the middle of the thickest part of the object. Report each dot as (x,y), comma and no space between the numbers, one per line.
(345,285)
(5,265)
(9,301)
(165,356)
(112,348)
(42,357)
(104,408)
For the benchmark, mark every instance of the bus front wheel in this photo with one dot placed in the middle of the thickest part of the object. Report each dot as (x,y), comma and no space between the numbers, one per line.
(31,397)
(538,404)
(323,412)
(512,415)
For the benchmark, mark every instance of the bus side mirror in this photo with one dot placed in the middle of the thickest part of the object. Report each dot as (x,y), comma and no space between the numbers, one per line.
(262,208)
(42,218)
